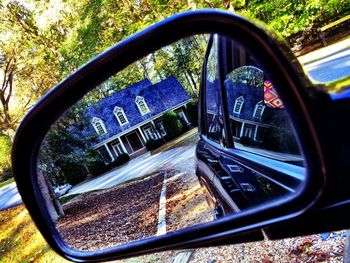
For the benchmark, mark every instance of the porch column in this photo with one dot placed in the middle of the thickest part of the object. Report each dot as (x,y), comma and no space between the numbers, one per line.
(184,117)
(143,136)
(109,152)
(155,129)
(242,129)
(256,131)
(123,146)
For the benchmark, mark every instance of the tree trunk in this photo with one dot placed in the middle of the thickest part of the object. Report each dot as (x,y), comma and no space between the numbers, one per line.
(193,82)
(52,204)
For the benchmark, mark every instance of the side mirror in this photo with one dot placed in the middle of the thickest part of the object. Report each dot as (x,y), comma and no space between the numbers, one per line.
(126,122)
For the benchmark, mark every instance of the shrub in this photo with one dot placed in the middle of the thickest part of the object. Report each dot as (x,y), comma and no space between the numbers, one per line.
(121,159)
(73,172)
(246,140)
(97,167)
(154,144)
(172,125)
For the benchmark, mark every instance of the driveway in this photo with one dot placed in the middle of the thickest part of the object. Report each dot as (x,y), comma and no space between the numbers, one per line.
(9,196)
(138,167)
(329,63)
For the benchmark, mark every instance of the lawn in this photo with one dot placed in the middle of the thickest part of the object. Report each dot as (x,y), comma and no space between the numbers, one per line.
(20,241)
(7,182)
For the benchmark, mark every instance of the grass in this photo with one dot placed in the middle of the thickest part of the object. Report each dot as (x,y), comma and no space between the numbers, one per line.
(66,199)
(177,141)
(20,241)
(7,182)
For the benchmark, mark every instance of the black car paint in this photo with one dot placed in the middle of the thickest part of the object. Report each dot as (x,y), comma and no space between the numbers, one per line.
(233,186)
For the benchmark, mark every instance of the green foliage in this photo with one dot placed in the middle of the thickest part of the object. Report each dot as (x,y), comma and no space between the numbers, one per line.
(64,145)
(43,42)
(248,75)
(5,157)
(97,166)
(121,159)
(66,198)
(72,171)
(290,17)
(154,144)
(172,125)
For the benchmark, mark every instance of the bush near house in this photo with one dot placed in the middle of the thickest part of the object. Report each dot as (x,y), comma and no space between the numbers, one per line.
(245,140)
(172,125)
(73,172)
(121,159)
(97,167)
(274,141)
(154,144)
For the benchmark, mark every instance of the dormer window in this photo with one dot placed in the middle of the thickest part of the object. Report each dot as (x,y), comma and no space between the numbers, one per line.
(259,109)
(99,126)
(142,105)
(238,105)
(120,115)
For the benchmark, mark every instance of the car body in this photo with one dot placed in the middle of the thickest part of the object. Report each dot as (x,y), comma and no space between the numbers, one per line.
(259,126)
(62,189)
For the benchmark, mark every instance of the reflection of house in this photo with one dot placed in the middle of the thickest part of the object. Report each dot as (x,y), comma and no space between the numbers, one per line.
(257,114)
(129,118)
(250,116)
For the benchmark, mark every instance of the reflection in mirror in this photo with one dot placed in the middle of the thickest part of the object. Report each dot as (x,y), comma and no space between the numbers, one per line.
(120,164)
(258,126)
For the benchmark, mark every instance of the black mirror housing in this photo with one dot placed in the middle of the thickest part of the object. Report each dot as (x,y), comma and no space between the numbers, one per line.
(297,92)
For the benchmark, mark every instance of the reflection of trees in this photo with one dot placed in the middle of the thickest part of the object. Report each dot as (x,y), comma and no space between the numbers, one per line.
(247,75)
(182,59)
(64,154)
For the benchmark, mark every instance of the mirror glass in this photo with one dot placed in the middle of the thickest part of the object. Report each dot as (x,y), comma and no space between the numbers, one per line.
(127,162)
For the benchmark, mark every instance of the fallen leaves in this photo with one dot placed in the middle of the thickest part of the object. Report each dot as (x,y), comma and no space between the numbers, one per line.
(186,202)
(105,218)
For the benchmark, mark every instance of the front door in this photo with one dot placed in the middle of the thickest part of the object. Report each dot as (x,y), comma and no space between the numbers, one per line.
(134,141)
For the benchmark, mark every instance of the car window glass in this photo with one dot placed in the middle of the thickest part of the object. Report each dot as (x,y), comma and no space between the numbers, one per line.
(213,102)
(258,119)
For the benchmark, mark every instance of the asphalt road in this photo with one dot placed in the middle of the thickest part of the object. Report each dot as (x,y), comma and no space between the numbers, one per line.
(330,67)
(9,196)
(138,167)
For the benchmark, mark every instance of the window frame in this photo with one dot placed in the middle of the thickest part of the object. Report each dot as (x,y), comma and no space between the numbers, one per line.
(95,121)
(241,100)
(257,105)
(227,140)
(141,99)
(117,110)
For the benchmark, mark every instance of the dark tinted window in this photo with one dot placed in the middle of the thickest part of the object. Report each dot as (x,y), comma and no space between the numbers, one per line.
(213,102)
(258,119)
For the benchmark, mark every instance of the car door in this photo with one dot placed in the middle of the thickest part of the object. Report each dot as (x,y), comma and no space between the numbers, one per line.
(247,154)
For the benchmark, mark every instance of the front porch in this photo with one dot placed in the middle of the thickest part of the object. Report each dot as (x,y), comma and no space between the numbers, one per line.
(132,143)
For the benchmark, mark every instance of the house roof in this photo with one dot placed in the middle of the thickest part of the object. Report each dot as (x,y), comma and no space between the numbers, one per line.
(252,95)
(159,97)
